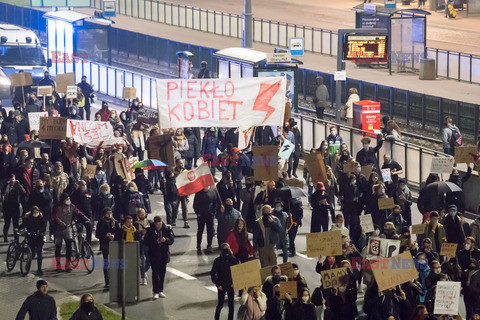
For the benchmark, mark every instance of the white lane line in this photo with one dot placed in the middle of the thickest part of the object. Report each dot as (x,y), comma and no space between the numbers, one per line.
(211,288)
(304,256)
(160,202)
(180,274)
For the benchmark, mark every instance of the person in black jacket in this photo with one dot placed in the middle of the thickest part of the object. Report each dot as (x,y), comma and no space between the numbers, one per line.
(7,165)
(104,199)
(222,279)
(453,227)
(470,251)
(205,207)
(204,73)
(263,136)
(82,199)
(458,198)
(39,305)
(225,189)
(320,209)
(144,187)
(12,192)
(43,199)
(193,151)
(298,147)
(159,239)
(368,155)
(9,128)
(170,197)
(107,229)
(395,169)
(296,208)
(87,310)
(46,81)
(87,91)
(35,226)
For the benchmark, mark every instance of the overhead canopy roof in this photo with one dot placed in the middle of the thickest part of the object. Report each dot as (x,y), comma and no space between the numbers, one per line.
(390,11)
(243,55)
(66,15)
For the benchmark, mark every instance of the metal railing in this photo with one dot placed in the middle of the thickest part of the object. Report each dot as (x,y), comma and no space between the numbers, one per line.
(450,64)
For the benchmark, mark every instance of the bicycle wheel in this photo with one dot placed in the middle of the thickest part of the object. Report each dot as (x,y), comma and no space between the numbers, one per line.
(25,261)
(11,256)
(75,258)
(88,257)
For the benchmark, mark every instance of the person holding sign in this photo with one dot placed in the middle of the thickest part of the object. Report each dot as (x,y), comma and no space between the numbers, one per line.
(254,303)
(471,288)
(272,280)
(453,227)
(395,170)
(303,308)
(470,251)
(87,91)
(368,155)
(458,197)
(222,279)
(320,209)
(265,236)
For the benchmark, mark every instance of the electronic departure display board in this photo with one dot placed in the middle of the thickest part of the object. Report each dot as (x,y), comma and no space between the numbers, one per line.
(365,48)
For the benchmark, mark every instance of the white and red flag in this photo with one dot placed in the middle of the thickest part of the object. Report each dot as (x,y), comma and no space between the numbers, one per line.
(192,181)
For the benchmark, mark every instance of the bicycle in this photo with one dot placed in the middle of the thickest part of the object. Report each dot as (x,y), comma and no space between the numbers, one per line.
(85,254)
(19,251)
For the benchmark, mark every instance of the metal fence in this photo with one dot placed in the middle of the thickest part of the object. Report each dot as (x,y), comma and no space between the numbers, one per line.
(450,64)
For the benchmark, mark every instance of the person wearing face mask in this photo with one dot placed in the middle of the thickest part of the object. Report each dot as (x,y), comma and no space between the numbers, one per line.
(7,164)
(82,199)
(272,280)
(320,209)
(266,231)
(453,227)
(171,198)
(338,225)
(248,206)
(389,231)
(433,277)
(395,169)
(435,231)
(107,230)
(469,251)
(299,278)
(458,197)
(142,224)
(226,220)
(144,187)
(103,199)
(87,310)
(35,225)
(283,239)
(396,218)
(225,188)
(27,176)
(65,215)
(222,278)
(471,287)
(344,297)
(379,216)
(132,200)
(13,193)
(368,155)
(42,197)
(421,263)
(39,305)
(403,196)
(59,180)
(205,205)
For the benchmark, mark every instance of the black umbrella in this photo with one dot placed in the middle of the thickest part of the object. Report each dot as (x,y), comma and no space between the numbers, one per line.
(30,144)
(291,192)
(441,187)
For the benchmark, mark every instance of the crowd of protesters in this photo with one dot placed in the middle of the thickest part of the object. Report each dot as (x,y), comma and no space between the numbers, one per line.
(48,192)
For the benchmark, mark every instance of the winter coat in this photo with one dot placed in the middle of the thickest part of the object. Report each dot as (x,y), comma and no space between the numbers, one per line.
(237,247)
(169,189)
(61,218)
(101,201)
(81,314)
(220,273)
(438,237)
(210,144)
(7,165)
(205,204)
(103,227)
(263,136)
(269,283)
(9,127)
(226,191)
(35,226)
(193,147)
(226,222)
(454,230)
(159,252)
(83,201)
(131,202)
(38,307)
(369,156)
(259,232)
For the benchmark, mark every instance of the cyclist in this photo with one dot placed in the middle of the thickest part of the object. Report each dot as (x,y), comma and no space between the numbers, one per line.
(36,226)
(65,214)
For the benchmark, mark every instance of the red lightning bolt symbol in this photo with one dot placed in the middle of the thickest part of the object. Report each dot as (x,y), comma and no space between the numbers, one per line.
(266,93)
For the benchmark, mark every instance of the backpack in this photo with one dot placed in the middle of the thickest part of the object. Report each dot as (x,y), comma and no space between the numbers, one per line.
(455,138)
(134,204)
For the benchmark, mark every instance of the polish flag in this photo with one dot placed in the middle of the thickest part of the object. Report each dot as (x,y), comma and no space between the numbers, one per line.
(192,181)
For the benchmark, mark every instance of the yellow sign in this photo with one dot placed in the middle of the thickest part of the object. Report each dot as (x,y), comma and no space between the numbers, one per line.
(391,272)
(328,243)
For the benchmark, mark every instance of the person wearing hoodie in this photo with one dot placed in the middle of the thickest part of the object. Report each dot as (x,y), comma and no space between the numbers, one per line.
(132,200)
(159,238)
(42,197)
(222,278)
(108,229)
(421,263)
(226,220)
(453,227)
(104,199)
(471,287)
(39,305)
(272,280)
(87,310)
(170,197)
(283,235)
(448,136)
(469,251)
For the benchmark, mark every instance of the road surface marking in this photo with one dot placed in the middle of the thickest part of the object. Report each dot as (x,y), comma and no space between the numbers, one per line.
(211,288)
(304,256)
(180,274)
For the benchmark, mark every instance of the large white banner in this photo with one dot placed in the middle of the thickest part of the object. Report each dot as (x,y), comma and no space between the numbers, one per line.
(221,102)
(90,133)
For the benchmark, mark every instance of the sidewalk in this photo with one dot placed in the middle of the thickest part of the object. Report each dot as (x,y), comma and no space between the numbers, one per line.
(448,89)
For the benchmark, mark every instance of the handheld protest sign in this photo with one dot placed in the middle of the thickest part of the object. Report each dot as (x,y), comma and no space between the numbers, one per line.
(328,243)
(129,93)
(289,287)
(265,163)
(54,128)
(330,278)
(63,81)
(246,275)
(391,272)
(449,250)
(386,203)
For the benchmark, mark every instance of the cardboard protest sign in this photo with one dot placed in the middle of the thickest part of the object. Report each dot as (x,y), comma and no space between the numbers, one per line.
(330,278)
(449,250)
(464,154)
(367,170)
(89,133)
(244,136)
(287,270)
(129,93)
(221,102)
(349,167)
(161,148)
(289,287)
(294,182)
(316,167)
(418,228)
(147,116)
(265,163)
(53,128)
(34,119)
(21,79)
(386,203)
(367,223)
(44,91)
(63,81)
(394,271)
(286,150)
(386,175)
(442,165)
(379,247)
(246,275)
(36,153)
(71,92)
(89,171)
(328,243)
(447,297)
(265,272)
